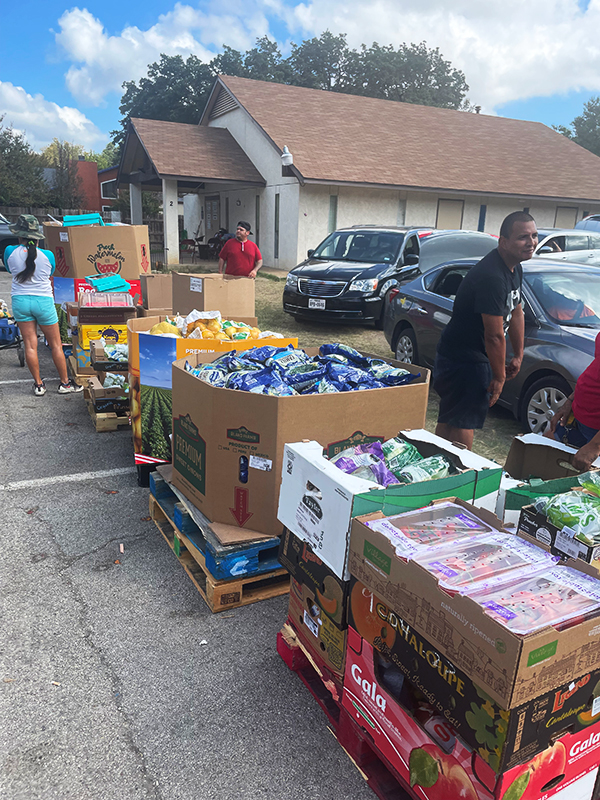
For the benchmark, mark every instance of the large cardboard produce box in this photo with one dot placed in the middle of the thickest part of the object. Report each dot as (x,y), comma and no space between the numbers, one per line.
(307,568)
(426,753)
(100,360)
(228,445)
(322,516)
(150,360)
(157,290)
(510,736)
(99,250)
(511,669)
(231,295)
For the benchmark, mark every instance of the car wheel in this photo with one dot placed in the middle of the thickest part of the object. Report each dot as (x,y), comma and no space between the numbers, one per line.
(541,401)
(406,347)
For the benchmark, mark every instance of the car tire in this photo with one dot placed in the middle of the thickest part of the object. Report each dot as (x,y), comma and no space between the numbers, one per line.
(406,347)
(541,400)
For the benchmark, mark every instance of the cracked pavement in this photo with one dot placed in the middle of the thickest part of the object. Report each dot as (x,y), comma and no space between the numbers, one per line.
(106,692)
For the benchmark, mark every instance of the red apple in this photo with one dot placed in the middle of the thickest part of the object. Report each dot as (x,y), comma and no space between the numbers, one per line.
(543,769)
(439,775)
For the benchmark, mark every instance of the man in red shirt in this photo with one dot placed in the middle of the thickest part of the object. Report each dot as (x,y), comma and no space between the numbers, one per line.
(577,422)
(239,256)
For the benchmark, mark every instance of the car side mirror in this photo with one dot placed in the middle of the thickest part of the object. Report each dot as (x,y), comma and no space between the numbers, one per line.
(411,260)
(309,253)
(544,250)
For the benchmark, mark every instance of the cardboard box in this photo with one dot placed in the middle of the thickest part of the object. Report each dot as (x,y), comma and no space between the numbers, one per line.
(111,332)
(315,629)
(157,291)
(307,568)
(511,669)
(154,312)
(82,357)
(99,392)
(322,515)
(150,360)
(99,315)
(231,295)
(511,737)
(68,290)
(535,526)
(228,446)
(101,362)
(531,455)
(99,250)
(412,744)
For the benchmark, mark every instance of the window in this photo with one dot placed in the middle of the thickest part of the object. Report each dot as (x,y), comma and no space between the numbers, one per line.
(257,221)
(450,214)
(364,246)
(276,231)
(577,241)
(108,190)
(447,282)
(566,217)
(333,206)
(482,215)
(412,246)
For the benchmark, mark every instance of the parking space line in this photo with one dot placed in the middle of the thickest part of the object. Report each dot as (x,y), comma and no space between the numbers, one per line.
(73,478)
(25,380)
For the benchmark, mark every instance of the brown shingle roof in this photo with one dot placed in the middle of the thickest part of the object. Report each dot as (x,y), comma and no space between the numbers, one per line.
(341,137)
(191,151)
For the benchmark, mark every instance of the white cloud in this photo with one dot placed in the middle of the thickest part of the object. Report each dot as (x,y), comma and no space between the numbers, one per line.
(41,120)
(103,62)
(508,50)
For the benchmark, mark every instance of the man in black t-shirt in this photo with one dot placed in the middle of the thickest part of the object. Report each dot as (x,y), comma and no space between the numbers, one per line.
(470,366)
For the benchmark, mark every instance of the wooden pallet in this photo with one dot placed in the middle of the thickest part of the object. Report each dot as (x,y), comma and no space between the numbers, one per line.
(224,562)
(219,595)
(360,749)
(106,421)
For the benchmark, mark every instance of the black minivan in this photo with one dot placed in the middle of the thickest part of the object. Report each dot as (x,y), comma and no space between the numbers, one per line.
(347,277)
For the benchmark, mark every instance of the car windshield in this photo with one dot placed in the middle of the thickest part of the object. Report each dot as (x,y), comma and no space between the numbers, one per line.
(569,298)
(3,219)
(364,246)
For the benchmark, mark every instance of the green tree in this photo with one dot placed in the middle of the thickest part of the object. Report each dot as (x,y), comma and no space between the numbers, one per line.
(321,62)
(109,157)
(264,63)
(21,171)
(62,157)
(150,204)
(174,90)
(585,128)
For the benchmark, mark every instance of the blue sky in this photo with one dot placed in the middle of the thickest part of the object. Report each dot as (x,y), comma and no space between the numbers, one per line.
(61,73)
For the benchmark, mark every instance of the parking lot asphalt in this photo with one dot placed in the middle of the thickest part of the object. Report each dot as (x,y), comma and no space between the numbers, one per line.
(107,689)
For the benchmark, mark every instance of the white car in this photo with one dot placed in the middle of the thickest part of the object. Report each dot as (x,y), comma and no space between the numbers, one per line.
(579,246)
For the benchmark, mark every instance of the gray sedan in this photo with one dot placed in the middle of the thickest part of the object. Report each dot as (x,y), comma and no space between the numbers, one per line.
(562,319)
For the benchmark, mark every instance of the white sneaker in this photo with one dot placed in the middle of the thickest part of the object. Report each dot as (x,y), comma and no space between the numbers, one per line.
(39,390)
(69,388)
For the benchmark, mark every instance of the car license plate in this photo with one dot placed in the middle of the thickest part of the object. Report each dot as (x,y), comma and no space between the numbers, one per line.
(312,303)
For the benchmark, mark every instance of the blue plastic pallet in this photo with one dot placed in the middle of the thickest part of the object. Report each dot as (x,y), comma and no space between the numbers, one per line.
(222,561)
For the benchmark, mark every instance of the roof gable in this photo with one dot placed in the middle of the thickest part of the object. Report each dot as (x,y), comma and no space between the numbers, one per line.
(338,137)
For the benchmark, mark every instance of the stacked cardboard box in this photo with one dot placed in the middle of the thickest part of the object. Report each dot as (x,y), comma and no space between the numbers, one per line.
(157,295)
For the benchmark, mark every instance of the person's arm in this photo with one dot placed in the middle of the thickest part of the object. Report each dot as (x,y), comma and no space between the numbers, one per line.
(516,333)
(257,266)
(495,347)
(586,455)
(562,415)
(222,263)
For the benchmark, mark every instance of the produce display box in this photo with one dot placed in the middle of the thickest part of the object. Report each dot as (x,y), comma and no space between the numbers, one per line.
(511,669)
(425,751)
(503,738)
(233,296)
(322,515)
(307,568)
(109,399)
(101,362)
(535,526)
(99,249)
(228,445)
(68,290)
(315,629)
(531,455)
(157,290)
(82,359)
(150,366)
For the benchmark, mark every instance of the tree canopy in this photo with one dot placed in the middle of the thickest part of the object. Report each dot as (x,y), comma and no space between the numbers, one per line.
(176,89)
(585,128)
(21,171)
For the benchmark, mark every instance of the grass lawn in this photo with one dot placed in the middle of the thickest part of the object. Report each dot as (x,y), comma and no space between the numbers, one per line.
(500,427)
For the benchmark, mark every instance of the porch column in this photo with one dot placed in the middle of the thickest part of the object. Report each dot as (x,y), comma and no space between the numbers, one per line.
(170,221)
(135,203)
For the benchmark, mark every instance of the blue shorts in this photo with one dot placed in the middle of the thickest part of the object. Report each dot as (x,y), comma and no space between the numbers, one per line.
(463,390)
(34,308)
(574,433)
